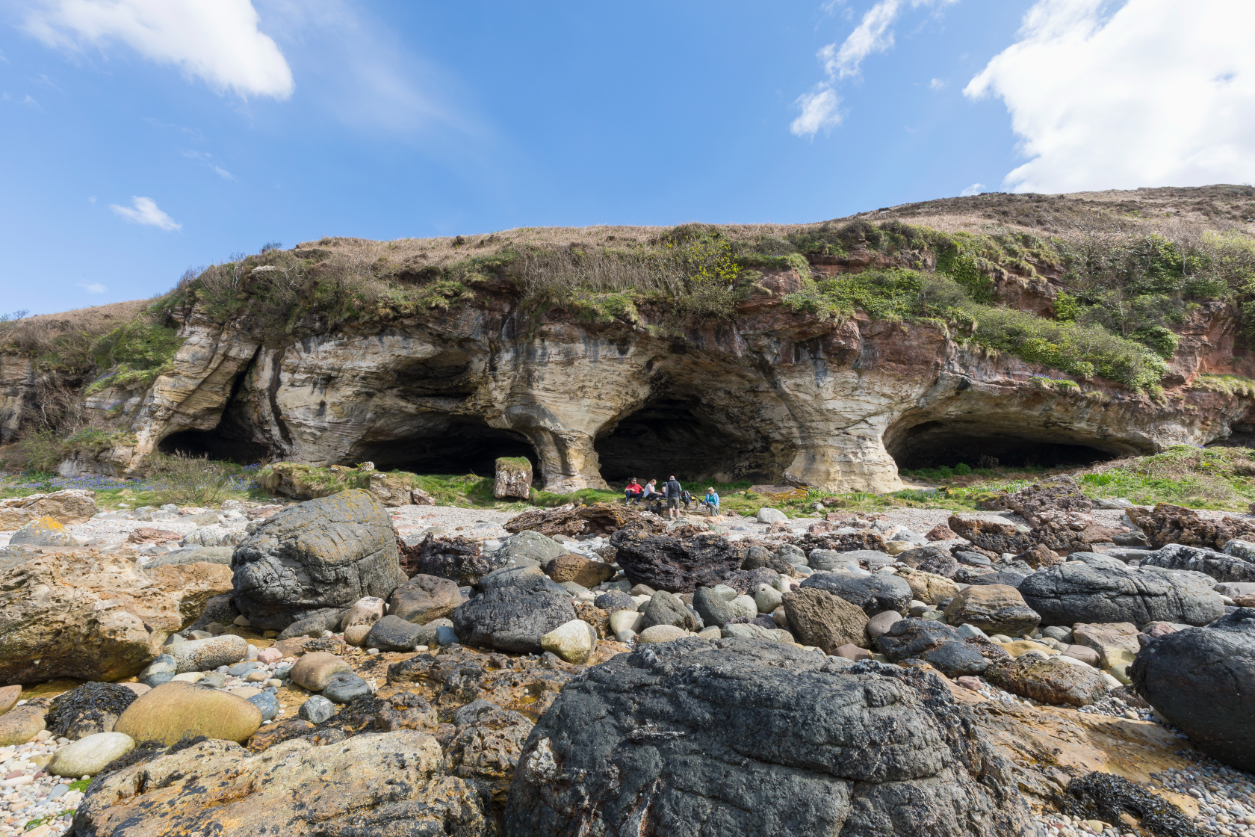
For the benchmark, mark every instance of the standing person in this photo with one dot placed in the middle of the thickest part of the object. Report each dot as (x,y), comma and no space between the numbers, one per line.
(711,501)
(633,491)
(673,498)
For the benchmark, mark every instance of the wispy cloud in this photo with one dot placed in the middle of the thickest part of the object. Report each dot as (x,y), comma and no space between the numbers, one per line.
(936,84)
(93,287)
(1156,93)
(819,112)
(873,34)
(30,102)
(145,211)
(208,161)
(974,189)
(218,42)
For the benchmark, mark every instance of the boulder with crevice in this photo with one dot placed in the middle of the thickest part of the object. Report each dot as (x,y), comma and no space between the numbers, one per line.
(674,564)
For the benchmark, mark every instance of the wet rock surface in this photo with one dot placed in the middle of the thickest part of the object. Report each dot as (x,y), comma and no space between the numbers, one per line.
(652,737)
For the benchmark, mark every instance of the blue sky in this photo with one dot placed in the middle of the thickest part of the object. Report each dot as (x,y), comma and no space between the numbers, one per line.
(144,137)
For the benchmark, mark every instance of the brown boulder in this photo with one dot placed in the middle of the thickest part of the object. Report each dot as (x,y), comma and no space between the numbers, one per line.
(1049,681)
(145,534)
(1058,494)
(424,598)
(1167,524)
(994,608)
(95,616)
(380,783)
(1039,556)
(583,571)
(940,532)
(825,620)
(928,587)
(597,519)
(20,725)
(993,535)
(69,506)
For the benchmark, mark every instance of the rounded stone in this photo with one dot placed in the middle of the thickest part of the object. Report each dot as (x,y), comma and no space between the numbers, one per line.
(314,670)
(392,633)
(317,709)
(767,598)
(661,633)
(767,515)
(267,703)
(355,635)
(572,641)
(343,686)
(173,710)
(20,724)
(880,624)
(206,654)
(89,755)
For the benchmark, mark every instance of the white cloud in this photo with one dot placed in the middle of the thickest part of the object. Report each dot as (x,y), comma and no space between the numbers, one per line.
(93,287)
(1157,93)
(819,112)
(974,189)
(873,34)
(936,84)
(30,102)
(215,40)
(145,211)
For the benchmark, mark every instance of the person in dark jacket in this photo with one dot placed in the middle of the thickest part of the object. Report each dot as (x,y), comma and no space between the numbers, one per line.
(674,493)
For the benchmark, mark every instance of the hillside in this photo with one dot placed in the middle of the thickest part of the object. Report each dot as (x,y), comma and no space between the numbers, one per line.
(1117,319)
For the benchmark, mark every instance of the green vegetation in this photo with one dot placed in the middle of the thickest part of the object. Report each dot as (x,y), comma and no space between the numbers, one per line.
(1228,384)
(191,480)
(135,354)
(1209,478)
(898,294)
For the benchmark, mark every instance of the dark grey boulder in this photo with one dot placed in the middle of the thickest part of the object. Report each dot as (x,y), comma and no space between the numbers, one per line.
(956,659)
(1077,592)
(1011,579)
(267,703)
(343,686)
(1203,681)
(514,613)
(665,608)
(874,594)
(713,608)
(392,633)
(972,559)
(313,624)
(326,553)
(614,600)
(1216,565)
(751,738)
(908,638)
(678,565)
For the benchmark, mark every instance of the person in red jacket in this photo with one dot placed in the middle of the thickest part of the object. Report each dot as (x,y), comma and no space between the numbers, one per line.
(633,492)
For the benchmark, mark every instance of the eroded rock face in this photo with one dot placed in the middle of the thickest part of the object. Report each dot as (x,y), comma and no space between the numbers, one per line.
(992,535)
(367,784)
(65,507)
(320,555)
(92,616)
(458,559)
(1166,524)
(818,749)
(673,564)
(1218,565)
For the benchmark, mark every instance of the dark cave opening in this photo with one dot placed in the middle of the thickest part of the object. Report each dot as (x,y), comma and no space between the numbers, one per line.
(215,444)
(462,446)
(935,444)
(671,436)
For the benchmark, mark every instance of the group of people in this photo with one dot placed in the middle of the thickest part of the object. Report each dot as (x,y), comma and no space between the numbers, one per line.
(673,494)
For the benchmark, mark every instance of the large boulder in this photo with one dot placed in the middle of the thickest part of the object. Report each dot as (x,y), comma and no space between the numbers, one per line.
(1203,681)
(388,783)
(1057,494)
(92,616)
(1166,523)
(994,608)
(513,615)
(674,564)
(873,594)
(174,710)
(825,620)
(930,559)
(43,532)
(750,738)
(993,535)
(909,638)
(326,553)
(583,571)
(424,598)
(1078,592)
(1218,565)
(514,478)
(73,505)
(1050,680)
(595,519)
(458,559)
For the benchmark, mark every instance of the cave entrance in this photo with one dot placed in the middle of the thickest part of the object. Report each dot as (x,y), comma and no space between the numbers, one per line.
(672,436)
(215,444)
(457,447)
(934,444)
